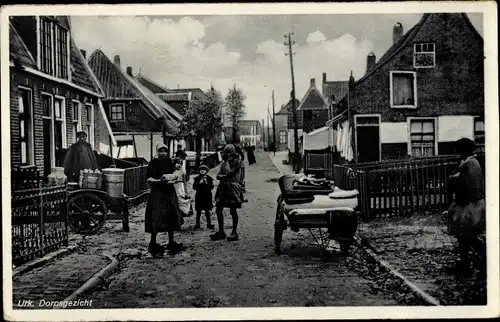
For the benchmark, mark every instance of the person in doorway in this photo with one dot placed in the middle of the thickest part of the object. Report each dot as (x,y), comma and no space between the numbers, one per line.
(162,209)
(250,153)
(229,193)
(467,213)
(203,185)
(79,156)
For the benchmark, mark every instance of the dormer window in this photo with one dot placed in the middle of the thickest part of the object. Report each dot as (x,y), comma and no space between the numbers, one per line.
(54,48)
(424,55)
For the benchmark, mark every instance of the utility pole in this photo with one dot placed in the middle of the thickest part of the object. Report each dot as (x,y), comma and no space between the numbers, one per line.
(263,134)
(268,127)
(294,108)
(274,127)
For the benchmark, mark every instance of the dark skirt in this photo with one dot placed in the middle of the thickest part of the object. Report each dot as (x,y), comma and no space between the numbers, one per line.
(203,200)
(162,210)
(229,195)
(251,157)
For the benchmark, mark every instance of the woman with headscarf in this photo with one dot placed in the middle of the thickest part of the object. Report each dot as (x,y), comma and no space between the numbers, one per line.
(467,213)
(229,193)
(162,209)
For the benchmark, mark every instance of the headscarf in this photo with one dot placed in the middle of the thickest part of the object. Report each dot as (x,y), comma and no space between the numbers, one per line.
(229,149)
(161,146)
(203,167)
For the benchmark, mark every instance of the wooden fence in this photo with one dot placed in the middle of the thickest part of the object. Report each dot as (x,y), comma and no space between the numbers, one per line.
(39,222)
(135,186)
(401,188)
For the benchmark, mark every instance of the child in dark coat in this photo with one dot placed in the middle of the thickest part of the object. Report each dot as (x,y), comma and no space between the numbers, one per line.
(203,185)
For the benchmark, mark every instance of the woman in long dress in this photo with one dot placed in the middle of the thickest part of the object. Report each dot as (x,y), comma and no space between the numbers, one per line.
(467,213)
(229,193)
(250,154)
(162,209)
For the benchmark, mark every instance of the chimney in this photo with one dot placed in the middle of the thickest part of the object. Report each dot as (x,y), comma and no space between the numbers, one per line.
(117,61)
(397,32)
(129,71)
(324,78)
(313,82)
(84,53)
(370,61)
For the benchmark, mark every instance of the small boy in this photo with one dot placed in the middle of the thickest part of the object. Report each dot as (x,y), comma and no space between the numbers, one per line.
(203,185)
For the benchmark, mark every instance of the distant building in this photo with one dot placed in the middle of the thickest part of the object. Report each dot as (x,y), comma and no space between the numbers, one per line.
(251,132)
(314,109)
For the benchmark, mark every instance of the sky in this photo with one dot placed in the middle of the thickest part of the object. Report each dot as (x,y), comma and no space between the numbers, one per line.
(249,51)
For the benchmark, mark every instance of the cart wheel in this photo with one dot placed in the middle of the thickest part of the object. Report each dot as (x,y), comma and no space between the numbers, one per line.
(345,245)
(278,229)
(86,213)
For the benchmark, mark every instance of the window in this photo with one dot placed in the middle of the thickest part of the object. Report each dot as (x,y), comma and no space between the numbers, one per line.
(117,112)
(46,45)
(282,137)
(54,49)
(89,125)
(76,119)
(46,106)
(479,136)
(61,51)
(424,55)
(403,88)
(59,132)
(88,112)
(26,127)
(422,137)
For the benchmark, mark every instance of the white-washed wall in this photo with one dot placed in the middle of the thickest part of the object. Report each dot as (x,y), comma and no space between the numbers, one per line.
(396,132)
(453,127)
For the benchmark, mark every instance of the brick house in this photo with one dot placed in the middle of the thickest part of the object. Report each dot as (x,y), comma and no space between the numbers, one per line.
(313,109)
(139,119)
(53,93)
(425,92)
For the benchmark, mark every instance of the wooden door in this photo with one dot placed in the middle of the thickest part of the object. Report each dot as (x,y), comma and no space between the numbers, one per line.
(368,138)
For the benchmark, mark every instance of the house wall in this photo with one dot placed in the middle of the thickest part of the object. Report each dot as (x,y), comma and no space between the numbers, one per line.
(137,119)
(454,87)
(281,126)
(299,119)
(314,119)
(37,85)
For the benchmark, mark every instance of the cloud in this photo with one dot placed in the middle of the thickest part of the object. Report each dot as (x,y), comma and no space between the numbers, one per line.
(316,36)
(176,52)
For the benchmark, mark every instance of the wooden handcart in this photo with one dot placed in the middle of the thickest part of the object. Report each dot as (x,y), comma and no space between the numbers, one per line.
(327,216)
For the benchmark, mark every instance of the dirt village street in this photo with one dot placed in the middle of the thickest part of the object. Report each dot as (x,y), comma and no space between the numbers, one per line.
(248,273)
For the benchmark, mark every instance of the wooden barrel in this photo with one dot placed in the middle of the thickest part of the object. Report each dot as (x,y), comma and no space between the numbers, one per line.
(113,181)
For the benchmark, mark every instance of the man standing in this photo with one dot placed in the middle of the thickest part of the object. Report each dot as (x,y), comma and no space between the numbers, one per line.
(79,157)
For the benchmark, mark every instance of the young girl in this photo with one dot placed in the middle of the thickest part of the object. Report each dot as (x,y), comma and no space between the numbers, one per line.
(181,189)
(229,192)
(203,185)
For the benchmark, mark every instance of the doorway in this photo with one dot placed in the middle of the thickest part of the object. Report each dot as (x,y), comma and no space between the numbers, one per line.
(367,138)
